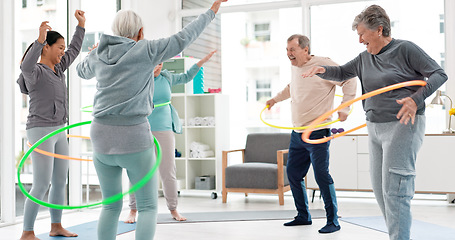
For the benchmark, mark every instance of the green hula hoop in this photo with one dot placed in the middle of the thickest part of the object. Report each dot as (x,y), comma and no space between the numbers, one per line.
(86,108)
(106,201)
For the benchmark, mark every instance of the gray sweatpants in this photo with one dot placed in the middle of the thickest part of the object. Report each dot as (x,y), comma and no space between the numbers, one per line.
(393,152)
(47,170)
(167,169)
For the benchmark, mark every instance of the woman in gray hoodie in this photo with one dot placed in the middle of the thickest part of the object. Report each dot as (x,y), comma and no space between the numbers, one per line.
(123,65)
(44,82)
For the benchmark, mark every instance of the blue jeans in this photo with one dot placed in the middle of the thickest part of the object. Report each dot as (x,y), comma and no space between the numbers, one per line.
(393,152)
(301,156)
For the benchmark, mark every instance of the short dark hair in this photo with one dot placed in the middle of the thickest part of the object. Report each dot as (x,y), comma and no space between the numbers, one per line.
(304,41)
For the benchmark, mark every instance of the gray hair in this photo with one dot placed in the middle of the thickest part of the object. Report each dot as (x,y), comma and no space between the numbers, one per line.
(373,17)
(126,24)
(304,41)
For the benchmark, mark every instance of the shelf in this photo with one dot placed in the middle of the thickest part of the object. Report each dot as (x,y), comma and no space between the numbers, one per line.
(190,127)
(203,159)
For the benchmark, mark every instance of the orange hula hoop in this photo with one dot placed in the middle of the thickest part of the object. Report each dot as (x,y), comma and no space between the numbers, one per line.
(59,155)
(312,126)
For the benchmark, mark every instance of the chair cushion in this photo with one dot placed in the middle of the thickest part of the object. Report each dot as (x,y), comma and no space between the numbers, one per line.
(254,175)
(262,147)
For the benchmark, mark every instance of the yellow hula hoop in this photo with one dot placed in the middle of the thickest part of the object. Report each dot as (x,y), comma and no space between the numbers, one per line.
(300,128)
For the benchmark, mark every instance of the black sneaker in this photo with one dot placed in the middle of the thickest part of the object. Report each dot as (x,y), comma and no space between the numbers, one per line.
(330,228)
(297,221)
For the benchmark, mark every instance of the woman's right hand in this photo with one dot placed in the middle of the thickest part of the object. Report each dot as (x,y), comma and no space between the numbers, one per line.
(216,5)
(43,31)
(313,71)
(206,58)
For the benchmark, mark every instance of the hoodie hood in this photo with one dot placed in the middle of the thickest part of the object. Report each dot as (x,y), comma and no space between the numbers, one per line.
(112,48)
(22,86)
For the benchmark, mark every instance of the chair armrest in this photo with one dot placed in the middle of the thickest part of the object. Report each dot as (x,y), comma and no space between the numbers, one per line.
(225,156)
(280,169)
(224,164)
(237,150)
(283,151)
(280,156)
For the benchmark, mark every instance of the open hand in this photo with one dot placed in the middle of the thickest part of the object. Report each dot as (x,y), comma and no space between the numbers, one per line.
(206,58)
(313,71)
(216,5)
(408,111)
(93,47)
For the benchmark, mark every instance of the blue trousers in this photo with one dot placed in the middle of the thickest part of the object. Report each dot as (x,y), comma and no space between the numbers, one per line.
(301,156)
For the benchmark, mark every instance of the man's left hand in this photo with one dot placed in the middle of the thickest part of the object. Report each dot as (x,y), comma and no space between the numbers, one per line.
(342,116)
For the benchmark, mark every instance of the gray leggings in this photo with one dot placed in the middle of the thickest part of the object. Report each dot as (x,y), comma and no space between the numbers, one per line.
(109,169)
(167,169)
(47,170)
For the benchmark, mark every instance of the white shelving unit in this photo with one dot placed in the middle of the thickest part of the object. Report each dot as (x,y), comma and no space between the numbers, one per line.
(189,106)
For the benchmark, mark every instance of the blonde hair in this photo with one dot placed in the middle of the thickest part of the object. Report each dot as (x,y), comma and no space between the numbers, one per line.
(127,24)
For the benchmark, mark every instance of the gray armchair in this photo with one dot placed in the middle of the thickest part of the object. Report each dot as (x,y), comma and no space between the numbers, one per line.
(263,169)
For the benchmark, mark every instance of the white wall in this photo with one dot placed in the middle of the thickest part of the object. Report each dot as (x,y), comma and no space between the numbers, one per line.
(450,49)
(159,16)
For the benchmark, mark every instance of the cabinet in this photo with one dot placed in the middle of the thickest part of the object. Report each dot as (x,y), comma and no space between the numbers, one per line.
(216,136)
(350,168)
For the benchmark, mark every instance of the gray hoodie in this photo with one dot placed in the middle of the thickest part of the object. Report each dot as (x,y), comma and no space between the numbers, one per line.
(124,72)
(46,88)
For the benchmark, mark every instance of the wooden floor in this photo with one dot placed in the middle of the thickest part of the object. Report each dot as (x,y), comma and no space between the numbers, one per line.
(426,208)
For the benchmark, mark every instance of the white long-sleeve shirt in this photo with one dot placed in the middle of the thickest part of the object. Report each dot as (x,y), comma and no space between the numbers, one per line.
(311,97)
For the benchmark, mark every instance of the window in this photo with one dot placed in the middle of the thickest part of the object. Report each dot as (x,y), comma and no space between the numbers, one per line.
(254,70)
(441,23)
(192,4)
(99,22)
(29,19)
(208,41)
(262,32)
(90,39)
(263,90)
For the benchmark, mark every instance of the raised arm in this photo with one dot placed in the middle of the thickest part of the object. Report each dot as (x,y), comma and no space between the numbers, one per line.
(76,42)
(166,48)
(28,64)
(183,78)
(335,73)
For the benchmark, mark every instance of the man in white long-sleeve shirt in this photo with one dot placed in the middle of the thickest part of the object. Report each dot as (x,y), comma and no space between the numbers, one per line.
(310,98)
